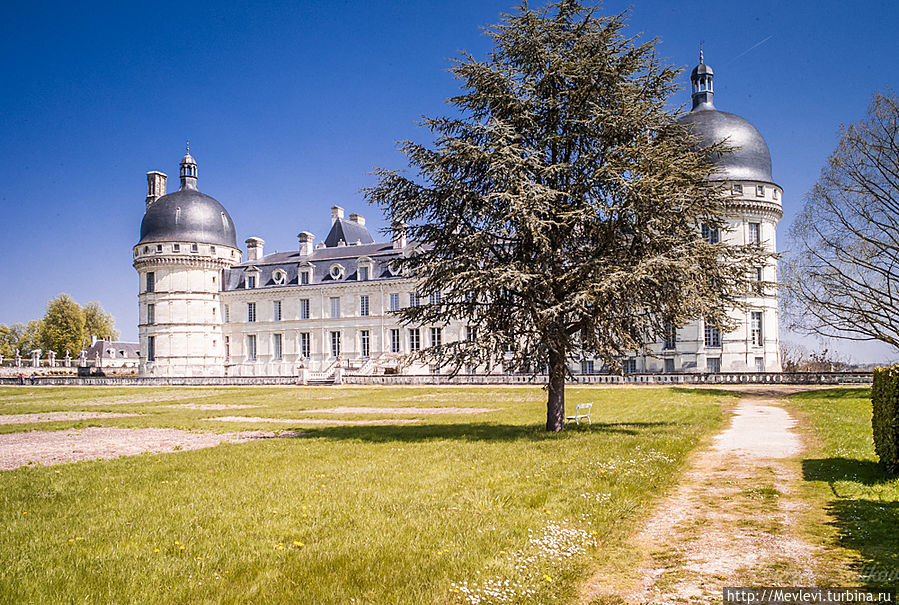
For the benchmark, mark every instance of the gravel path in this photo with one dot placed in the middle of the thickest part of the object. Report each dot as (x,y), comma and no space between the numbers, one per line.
(54,447)
(57,417)
(254,419)
(730,522)
(402,410)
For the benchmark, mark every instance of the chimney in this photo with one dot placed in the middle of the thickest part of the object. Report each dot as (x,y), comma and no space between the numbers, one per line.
(93,336)
(399,235)
(305,243)
(254,248)
(357,218)
(155,186)
(336,214)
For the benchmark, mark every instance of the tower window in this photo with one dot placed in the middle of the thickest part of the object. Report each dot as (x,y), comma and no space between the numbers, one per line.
(670,337)
(158,248)
(194,248)
(737,189)
(151,281)
(756,327)
(211,249)
(151,348)
(760,191)
(151,314)
(710,235)
(176,247)
(755,233)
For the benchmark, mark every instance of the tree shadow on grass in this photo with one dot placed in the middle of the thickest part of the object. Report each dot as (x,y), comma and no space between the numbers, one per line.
(869,527)
(473,431)
(867,472)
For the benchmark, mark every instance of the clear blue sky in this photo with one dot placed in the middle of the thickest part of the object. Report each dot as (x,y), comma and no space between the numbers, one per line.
(288,106)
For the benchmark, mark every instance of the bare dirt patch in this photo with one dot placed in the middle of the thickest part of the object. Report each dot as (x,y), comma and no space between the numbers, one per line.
(57,417)
(54,447)
(311,420)
(214,406)
(403,410)
(732,520)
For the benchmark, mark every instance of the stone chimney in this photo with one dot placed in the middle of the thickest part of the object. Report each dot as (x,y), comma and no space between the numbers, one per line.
(254,248)
(357,218)
(305,243)
(399,235)
(94,337)
(155,186)
(336,214)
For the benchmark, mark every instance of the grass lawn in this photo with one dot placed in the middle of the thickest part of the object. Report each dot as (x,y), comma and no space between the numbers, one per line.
(452,508)
(845,479)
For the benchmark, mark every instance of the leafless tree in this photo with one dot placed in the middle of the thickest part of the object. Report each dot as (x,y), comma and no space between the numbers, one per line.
(843,276)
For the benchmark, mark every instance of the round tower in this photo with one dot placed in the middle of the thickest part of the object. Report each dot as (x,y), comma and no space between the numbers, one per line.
(754,210)
(187,239)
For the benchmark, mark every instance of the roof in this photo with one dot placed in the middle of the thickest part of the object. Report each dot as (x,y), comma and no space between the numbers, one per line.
(113,350)
(321,260)
(188,215)
(348,232)
(749,159)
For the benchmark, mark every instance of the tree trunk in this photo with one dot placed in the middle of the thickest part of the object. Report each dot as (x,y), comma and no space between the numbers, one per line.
(555,405)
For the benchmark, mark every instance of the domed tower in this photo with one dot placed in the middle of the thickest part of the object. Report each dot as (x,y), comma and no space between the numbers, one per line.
(754,210)
(186,239)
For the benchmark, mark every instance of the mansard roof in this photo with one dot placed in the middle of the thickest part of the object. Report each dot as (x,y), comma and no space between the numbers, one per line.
(348,232)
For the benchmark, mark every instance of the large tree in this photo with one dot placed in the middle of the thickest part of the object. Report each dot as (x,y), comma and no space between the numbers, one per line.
(843,274)
(560,204)
(62,328)
(99,323)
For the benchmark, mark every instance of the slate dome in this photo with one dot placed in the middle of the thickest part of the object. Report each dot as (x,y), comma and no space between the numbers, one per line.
(187,215)
(749,158)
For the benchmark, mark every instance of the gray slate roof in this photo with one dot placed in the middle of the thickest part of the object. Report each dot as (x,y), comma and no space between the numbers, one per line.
(188,216)
(113,350)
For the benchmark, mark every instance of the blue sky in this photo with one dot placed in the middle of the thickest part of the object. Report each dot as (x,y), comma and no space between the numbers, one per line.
(288,107)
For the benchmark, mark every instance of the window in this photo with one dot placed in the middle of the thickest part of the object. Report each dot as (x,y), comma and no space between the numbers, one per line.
(276,347)
(760,191)
(335,344)
(227,313)
(304,344)
(251,347)
(394,302)
(276,311)
(363,342)
(151,281)
(756,328)
(158,248)
(774,193)
(759,281)
(227,348)
(413,299)
(336,271)
(629,366)
(251,281)
(194,248)
(176,247)
(151,348)
(669,366)
(363,273)
(471,333)
(587,366)
(712,336)
(211,249)
(435,298)
(710,235)
(670,337)
(151,314)
(251,312)
(755,230)
(759,364)
(713,364)
(394,341)
(279,276)
(414,340)
(304,308)
(304,277)
(737,189)
(436,336)
(363,305)
(335,306)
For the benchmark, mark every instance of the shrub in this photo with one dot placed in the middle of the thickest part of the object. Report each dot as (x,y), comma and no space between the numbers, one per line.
(885,420)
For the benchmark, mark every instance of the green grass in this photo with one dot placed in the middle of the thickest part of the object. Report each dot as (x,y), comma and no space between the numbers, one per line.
(844,477)
(342,514)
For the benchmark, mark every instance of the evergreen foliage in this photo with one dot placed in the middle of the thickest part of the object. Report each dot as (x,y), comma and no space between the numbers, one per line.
(559,207)
(885,419)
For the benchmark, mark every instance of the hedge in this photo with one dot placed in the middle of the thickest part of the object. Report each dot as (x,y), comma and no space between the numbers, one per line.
(885,420)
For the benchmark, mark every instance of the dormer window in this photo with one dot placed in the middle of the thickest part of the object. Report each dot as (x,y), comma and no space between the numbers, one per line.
(146,249)
(737,189)
(775,194)
(252,277)
(194,248)
(304,273)
(336,271)
(363,272)
(176,247)
(158,248)
(251,281)
(211,249)
(759,191)
(279,276)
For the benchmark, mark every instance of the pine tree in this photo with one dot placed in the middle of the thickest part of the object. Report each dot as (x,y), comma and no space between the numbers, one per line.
(559,206)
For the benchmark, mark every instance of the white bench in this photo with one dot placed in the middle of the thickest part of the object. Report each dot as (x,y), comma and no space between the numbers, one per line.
(581,411)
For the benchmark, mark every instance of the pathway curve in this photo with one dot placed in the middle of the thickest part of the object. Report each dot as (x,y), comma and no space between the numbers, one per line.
(731,521)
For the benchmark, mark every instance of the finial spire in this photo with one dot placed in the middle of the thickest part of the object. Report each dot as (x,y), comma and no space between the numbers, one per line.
(701,42)
(701,79)
(188,140)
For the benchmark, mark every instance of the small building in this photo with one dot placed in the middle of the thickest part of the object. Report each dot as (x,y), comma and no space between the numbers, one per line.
(107,354)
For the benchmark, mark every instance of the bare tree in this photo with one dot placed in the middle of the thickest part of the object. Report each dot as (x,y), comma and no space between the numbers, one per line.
(843,276)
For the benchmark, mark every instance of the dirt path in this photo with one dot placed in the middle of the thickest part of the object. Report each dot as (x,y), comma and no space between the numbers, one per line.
(732,520)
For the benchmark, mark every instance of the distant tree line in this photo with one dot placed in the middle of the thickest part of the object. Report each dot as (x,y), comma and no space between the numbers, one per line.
(66,326)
